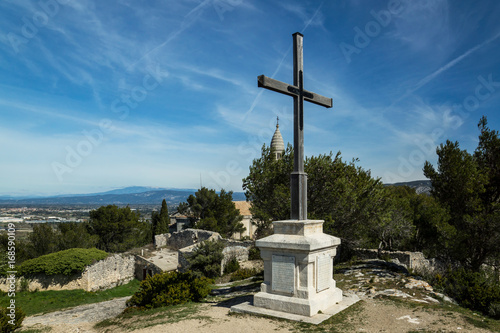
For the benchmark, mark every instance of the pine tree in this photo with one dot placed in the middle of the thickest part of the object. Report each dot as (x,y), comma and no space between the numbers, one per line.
(215,212)
(164,221)
(160,221)
(467,186)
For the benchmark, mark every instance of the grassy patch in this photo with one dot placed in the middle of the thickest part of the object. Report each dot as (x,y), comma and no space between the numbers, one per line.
(45,329)
(448,310)
(477,322)
(245,273)
(341,322)
(251,282)
(49,301)
(137,319)
(475,319)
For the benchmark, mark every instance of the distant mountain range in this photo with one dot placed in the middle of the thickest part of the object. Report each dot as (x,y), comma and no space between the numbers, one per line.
(135,195)
(420,186)
(140,195)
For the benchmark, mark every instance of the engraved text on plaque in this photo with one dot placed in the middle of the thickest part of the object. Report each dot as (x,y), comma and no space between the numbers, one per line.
(324,272)
(283,277)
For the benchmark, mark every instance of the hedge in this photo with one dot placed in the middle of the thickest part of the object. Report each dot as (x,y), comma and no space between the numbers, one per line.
(65,262)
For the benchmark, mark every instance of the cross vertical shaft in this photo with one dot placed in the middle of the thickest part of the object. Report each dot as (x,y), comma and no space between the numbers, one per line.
(298,178)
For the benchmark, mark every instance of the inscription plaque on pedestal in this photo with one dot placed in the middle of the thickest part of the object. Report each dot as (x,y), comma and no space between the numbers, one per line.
(283,279)
(324,272)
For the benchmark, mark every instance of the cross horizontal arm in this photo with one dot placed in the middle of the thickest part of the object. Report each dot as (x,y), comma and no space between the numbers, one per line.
(291,90)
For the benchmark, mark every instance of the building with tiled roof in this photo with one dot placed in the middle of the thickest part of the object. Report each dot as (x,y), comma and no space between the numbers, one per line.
(244,208)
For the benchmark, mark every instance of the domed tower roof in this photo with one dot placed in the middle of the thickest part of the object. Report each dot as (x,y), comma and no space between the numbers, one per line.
(277,143)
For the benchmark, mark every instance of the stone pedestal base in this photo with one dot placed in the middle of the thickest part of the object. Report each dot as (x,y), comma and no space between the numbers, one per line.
(298,269)
(300,306)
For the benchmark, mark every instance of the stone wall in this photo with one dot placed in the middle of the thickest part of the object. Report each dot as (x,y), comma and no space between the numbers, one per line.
(161,240)
(113,271)
(184,254)
(185,238)
(411,260)
(232,249)
(107,273)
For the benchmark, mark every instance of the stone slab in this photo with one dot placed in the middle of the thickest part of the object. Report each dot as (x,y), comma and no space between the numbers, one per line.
(298,243)
(249,308)
(298,227)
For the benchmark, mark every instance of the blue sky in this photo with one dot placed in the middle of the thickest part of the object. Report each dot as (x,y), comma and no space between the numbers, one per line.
(96,95)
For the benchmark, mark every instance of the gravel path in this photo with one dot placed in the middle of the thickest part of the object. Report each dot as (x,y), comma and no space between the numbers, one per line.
(83,314)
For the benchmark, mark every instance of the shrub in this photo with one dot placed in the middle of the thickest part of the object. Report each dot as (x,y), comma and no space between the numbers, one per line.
(65,262)
(474,290)
(24,285)
(386,257)
(244,273)
(231,266)
(170,288)
(5,317)
(254,253)
(207,258)
(494,310)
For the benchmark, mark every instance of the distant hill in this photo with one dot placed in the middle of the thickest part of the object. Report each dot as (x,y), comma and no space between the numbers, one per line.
(420,186)
(135,195)
(139,195)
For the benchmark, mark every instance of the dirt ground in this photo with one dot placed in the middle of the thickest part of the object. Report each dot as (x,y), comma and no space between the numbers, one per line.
(390,302)
(370,315)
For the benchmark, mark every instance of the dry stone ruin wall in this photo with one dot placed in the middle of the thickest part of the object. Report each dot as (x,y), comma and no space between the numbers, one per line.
(115,270)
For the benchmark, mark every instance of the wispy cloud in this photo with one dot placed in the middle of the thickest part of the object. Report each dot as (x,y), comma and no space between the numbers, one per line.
(424,26)
(302,11)
(308,22)
(445,67)
(214,74)
(189,19)
(61,113)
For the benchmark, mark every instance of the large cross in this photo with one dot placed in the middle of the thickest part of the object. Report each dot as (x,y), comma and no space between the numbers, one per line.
(298,178)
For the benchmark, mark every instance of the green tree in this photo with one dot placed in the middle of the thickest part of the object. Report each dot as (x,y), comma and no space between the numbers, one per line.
(467,186)
(118,229)
(346,196)
(343,194)
(43,240)
(160,221)
(432,230)
(183,208)
(395,229)
(206,258)
(75,235)
(6,325)
(6,249)
(267,187)
(215,212)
